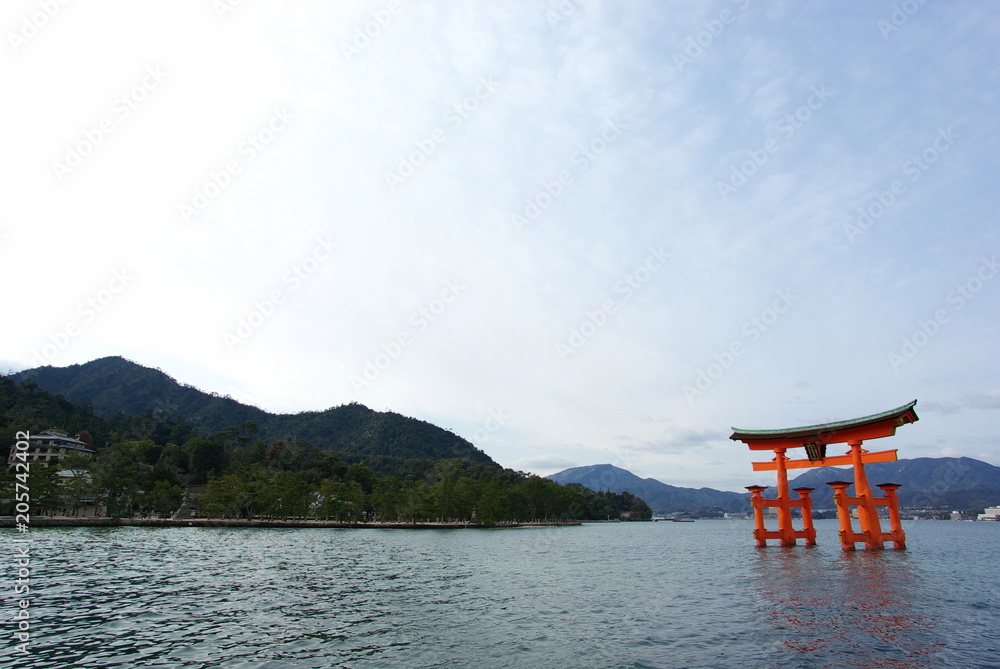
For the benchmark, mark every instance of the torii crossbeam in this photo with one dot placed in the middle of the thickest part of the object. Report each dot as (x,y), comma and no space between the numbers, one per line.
(815,439)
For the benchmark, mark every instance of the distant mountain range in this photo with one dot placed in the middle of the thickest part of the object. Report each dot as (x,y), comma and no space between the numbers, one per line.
(386,441)
(661,497)
(958,483)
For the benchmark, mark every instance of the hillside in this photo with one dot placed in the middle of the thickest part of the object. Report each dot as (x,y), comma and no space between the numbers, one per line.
(386,441)
(661,497)
(25,406)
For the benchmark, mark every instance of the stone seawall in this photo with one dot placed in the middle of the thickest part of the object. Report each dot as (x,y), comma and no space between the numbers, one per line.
(40,522)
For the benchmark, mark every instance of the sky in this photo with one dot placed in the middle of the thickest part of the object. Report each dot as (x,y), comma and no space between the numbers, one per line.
(571,231)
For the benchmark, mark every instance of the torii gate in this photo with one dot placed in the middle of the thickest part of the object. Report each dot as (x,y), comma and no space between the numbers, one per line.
(815,438)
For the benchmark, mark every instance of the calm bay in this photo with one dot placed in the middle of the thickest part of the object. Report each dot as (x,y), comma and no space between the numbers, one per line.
(598,595)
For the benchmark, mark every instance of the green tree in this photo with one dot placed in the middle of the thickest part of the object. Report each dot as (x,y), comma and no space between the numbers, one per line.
(45,488)
(388,499)
(341,501)
(490,506)
(7,491)
(419,502)
(176,458)
(165,497)
(538,496)
(147,451)
(287,495)
(257,452)
(363,474)
(224,496)
(206,458)
(116,479)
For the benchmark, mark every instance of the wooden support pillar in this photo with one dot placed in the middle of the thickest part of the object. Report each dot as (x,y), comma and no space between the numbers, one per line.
(784,510)
(757,501)
(808,529)
(867,511)
(843,513)
(898,537)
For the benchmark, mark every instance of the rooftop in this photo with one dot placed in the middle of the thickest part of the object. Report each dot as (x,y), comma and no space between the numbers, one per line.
(740,434)
(59,435)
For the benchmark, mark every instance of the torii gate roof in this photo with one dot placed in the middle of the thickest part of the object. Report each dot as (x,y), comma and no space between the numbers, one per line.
(867,427)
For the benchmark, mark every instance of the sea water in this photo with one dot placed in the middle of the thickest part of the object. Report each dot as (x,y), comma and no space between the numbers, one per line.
(598,595)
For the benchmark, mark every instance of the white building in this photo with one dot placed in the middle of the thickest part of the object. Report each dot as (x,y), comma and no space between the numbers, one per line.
(48,446)
(990,513)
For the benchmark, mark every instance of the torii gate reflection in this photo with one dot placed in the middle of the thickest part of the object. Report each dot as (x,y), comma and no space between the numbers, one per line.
(815,439)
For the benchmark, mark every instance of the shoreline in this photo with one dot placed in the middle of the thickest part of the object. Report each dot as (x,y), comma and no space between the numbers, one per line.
(63,521)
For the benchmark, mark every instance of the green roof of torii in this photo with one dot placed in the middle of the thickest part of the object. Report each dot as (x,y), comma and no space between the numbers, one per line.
(806,430)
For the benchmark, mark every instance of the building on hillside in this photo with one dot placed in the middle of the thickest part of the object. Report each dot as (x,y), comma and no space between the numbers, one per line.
(82,504)
(48,446)
(990,513)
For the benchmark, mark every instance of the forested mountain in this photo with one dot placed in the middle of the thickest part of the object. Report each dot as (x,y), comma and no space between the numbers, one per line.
(661,498)
(113,384)
(386,441)
(153,463)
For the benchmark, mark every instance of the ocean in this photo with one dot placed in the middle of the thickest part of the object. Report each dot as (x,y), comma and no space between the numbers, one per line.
(607,595)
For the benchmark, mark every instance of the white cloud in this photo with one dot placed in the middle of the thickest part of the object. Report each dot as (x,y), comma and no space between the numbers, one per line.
(557,85)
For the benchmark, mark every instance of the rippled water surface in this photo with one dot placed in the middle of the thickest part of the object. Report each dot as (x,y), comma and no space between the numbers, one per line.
(604,595)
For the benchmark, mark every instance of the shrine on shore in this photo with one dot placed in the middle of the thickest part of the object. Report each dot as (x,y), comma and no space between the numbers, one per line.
(815,439)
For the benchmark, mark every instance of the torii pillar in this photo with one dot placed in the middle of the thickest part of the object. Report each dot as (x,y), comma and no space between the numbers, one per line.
(815,438)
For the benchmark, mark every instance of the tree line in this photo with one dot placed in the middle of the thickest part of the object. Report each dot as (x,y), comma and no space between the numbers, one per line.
(239,476)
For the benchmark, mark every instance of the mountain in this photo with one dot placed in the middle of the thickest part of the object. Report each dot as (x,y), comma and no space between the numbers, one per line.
(26,407)
(386,441)
(114,384)
(661,497)
(959,483)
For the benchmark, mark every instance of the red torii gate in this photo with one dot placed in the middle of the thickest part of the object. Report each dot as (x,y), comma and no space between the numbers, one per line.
(815,438)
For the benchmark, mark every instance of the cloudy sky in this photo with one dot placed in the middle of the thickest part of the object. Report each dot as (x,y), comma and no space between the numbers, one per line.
(571,231)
